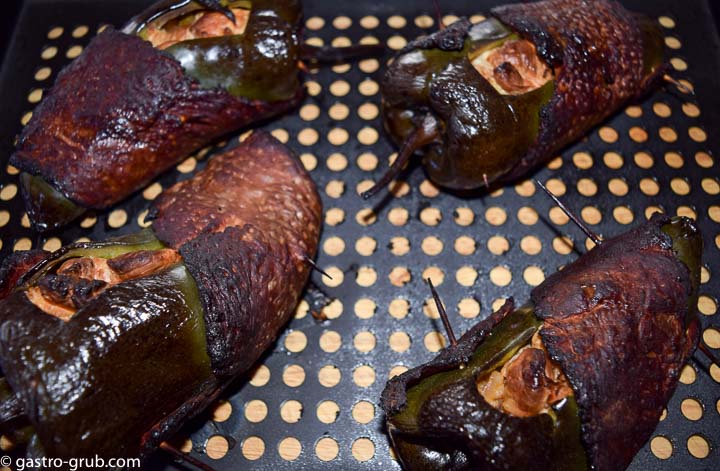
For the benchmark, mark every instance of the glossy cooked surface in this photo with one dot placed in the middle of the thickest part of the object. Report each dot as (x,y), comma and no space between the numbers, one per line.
(480,131)
(601,56)
(620,322)
(584,163)
(261,64)
(437,418)
(121,114)
(147,339)
(97,382)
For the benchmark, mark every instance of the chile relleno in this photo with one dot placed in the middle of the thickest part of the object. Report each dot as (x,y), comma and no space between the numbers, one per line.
(617,326)
(488,102)
(107,348)
(136,102)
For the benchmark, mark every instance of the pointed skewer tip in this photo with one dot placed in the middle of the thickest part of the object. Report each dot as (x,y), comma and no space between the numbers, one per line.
(711,356)
(681,86)
(443,313)
(594,237)
(314,266)
(438,14)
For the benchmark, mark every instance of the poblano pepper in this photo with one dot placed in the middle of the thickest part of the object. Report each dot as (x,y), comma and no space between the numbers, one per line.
(488,102)
(108,348)
(575,379)
(177,77)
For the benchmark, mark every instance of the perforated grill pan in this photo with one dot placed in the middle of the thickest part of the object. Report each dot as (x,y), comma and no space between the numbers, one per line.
(312,402)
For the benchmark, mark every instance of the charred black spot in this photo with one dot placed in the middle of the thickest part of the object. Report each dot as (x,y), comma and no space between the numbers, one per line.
(86,290)
(452,38)
(56,287)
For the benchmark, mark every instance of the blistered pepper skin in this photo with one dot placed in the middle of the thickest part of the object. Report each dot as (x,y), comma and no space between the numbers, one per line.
(135,361)
(124,112)
(247,250)
(601,57)
(621,318)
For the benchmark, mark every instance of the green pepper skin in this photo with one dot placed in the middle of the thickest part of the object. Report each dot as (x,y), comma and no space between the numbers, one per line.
(191,304)
(142,335)
(46,206)
(620,318)
(84,364)
(124,112)
(445,399)
(443,406)
(505,339)
(260,64)
(475,119)
(483,136)
(245,261)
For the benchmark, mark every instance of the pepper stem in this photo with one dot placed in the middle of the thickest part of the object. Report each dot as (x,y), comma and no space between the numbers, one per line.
(443,313)
(421,136)
(179,455)
(339,55)
(594,237)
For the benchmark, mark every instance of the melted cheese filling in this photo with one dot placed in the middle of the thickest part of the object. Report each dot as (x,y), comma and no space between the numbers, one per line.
(206,24)
(79,280)
(528,384)
(513,68)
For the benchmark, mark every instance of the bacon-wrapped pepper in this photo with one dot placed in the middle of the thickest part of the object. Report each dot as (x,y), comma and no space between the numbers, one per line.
(488,102)
(107,348)
(575,379)
(136,102)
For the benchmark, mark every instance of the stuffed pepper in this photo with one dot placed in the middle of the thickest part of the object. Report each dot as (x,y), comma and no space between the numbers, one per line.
(488,102)
(107,348)
(574,379)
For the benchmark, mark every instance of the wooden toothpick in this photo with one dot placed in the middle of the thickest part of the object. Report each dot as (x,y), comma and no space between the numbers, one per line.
(443,314)
(594,237)
(681,86)
(314,266)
